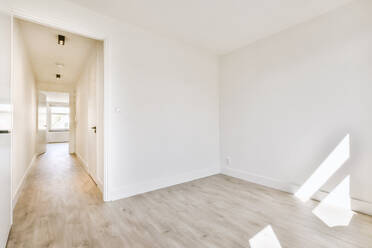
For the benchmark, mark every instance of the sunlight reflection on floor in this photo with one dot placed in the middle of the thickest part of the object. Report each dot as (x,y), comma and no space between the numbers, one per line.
(266,238)
(335,209)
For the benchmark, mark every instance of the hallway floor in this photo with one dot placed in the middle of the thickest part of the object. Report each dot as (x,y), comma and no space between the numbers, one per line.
(62,207)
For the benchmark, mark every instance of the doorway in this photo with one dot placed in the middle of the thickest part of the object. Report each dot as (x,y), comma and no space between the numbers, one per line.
(20,108)
(53,119)
(65,72)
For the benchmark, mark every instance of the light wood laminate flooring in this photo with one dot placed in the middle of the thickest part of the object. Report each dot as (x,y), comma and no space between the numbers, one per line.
(61,206)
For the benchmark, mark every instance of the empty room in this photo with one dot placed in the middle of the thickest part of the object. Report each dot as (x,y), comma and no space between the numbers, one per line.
(174,123)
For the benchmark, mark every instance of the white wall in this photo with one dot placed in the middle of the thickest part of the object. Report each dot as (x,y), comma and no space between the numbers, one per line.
(167,129)
(61,88)
(24,112)
(286,102)
(5,59)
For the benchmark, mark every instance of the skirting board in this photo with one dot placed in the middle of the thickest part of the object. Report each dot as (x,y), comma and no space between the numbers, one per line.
(172,180)
(86,168)
(356,204)
(22,182)
(82,161)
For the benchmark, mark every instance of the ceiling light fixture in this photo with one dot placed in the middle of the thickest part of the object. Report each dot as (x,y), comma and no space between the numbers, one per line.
(61,39)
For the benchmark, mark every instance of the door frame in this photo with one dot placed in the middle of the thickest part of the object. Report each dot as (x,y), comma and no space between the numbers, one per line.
(71,105)
(105,151)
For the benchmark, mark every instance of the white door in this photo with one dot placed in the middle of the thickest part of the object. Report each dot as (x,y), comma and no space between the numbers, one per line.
(92,126)
(5,128)
(42,123)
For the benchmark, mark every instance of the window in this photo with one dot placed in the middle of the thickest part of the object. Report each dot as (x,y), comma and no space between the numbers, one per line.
(59,118)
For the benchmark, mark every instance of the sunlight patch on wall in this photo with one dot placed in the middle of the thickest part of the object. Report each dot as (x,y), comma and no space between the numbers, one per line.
(329,166)
(266,238)
(335,209)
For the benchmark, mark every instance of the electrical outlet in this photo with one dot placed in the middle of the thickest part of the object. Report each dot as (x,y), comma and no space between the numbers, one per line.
(228,160)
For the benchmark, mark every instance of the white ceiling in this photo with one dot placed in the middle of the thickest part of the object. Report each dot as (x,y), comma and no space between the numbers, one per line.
(45,53)
(218,25)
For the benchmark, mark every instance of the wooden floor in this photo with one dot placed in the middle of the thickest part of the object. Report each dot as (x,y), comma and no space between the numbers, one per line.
(61,207)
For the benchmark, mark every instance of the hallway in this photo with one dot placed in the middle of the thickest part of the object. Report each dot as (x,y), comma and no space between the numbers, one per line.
(62,207)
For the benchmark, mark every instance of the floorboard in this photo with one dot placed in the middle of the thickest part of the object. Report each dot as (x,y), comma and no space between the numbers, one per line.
(62,207)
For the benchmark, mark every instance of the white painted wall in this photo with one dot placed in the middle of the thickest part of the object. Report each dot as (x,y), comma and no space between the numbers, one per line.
(58,88)
(167,129)
(24,112)
(287,100)
(5,59)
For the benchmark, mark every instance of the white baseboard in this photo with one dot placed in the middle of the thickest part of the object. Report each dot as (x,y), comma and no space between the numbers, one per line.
(22,182)
(261,180)
(86,168)
(356,204)
(83,162)
(140,188)
(99,184)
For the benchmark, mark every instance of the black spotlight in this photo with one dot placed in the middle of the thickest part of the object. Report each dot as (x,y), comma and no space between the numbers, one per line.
(61,39)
